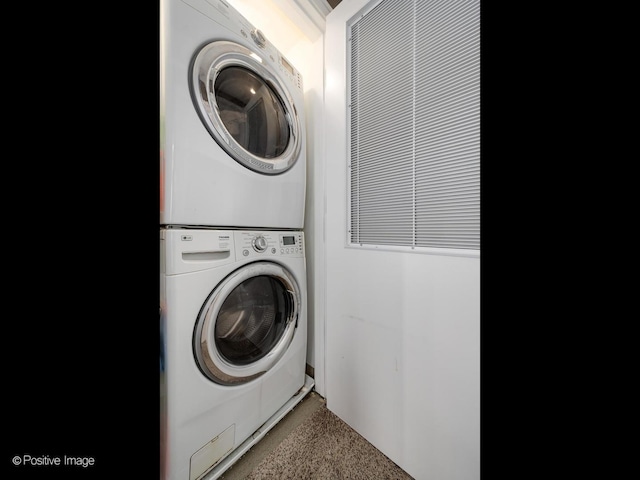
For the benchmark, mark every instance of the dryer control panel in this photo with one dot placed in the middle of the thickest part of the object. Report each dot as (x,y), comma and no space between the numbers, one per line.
(230,18)
(269,244)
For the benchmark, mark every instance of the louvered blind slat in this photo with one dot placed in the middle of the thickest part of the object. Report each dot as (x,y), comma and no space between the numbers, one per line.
(414,126)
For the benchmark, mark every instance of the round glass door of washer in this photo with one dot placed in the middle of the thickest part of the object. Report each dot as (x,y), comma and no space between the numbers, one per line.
(247,323)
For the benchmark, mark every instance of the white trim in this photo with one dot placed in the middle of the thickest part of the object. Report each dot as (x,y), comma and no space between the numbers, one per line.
(321,7)
(453,252)
(309,15)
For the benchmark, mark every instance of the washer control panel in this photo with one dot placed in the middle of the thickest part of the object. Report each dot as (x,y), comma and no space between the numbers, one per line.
(269,244)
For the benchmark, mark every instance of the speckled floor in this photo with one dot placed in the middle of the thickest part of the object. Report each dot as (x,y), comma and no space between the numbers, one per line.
(243,467)
(313,443)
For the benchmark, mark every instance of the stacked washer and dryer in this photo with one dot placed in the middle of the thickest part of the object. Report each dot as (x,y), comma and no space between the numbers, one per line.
(233,301)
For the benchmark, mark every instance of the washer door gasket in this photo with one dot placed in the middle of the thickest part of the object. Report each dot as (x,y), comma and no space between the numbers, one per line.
(247,323)
(245,107)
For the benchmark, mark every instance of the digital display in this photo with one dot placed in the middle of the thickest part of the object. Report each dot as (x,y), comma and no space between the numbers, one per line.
(288,66)
(288,240)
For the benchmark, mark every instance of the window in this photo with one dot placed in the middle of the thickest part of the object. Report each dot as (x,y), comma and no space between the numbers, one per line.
(414,120)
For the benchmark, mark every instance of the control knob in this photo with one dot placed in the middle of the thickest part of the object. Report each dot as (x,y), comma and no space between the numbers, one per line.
(258,38)
(259,244)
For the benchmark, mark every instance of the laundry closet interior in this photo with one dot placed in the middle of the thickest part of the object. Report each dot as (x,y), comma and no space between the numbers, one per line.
(319,227)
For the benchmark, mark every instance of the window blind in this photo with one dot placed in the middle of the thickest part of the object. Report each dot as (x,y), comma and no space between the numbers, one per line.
(414,106)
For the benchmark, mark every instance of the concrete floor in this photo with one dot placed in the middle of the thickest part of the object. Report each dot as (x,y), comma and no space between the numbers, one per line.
(251,459)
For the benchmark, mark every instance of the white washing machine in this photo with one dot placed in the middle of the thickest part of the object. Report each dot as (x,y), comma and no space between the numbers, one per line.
(233,344)
(232,132)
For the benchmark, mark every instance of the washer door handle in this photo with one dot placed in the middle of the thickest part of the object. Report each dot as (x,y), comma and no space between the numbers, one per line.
(292,306)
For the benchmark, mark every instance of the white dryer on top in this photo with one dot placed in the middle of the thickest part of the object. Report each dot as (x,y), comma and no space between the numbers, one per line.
(232,135)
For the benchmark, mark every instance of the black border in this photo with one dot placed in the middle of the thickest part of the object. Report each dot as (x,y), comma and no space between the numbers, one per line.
(81,238)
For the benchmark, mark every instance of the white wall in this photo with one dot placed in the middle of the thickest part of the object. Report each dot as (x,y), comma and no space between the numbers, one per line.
(314,216)
(401,363)
(301,41)
(402,329)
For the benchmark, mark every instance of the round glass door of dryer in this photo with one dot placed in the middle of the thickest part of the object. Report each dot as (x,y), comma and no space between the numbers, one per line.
(247,323)
(246,107)
(251,112)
